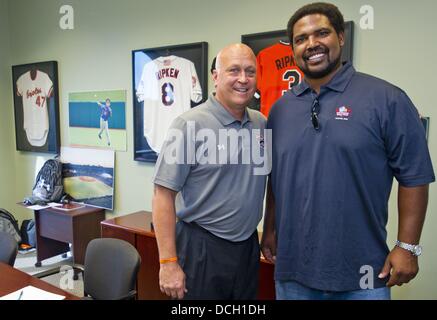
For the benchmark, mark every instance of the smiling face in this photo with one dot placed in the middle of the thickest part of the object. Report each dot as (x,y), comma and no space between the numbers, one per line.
(317,46)
(235,77)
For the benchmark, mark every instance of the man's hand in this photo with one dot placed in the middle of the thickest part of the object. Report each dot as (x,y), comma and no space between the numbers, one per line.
(403,266)
(172,280)
(268,246)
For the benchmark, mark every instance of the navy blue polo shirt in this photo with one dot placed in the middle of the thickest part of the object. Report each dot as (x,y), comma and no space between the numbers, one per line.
(332,186)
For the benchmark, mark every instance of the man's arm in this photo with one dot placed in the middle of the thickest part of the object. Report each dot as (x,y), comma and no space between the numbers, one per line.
(171,275)
(412,204)
(268,241)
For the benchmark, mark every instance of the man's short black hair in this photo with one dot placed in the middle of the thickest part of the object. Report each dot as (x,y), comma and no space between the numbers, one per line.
(213,64)
(327,9)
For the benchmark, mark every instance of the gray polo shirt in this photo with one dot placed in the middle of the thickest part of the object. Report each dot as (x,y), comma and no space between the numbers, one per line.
(219,166)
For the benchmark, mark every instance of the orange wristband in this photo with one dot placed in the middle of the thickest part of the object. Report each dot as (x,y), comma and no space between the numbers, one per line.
(173,259)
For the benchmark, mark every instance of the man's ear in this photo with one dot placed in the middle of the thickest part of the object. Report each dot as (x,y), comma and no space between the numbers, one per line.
(214,76)
(341,38)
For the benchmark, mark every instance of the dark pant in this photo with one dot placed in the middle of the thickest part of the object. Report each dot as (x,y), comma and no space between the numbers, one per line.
(216,268)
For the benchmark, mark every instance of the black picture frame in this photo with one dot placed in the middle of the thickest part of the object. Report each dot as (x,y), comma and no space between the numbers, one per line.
(36,107)
(196,53)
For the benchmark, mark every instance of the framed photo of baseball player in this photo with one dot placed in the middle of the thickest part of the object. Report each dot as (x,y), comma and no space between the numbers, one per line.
(167,81)
(36,107)
(98,119)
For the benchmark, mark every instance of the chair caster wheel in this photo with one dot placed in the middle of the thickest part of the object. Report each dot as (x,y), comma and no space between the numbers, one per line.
(64,256)
(38,264)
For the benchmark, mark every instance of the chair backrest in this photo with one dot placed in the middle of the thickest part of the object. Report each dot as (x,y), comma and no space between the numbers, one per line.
(8,248)
(111,268)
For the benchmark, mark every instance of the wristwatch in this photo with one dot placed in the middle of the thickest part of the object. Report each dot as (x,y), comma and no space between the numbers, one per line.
(415,249)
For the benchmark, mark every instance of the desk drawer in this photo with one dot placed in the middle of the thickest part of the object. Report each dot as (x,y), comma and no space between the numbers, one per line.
(55,226)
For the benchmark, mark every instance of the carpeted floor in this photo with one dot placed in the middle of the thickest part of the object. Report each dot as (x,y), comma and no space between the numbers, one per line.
(26,263)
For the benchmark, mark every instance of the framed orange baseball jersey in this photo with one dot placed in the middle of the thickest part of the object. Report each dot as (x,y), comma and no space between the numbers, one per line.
(276,73)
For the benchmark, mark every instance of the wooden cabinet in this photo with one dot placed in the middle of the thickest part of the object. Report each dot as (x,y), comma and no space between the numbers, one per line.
(136,228)
(56,229)
(266,283)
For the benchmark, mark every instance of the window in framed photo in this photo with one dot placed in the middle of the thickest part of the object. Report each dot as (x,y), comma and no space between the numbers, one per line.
(167,81)
(36,107)
(276,69)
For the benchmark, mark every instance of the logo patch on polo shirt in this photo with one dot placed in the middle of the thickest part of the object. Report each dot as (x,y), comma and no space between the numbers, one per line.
(260,139)
(343,113)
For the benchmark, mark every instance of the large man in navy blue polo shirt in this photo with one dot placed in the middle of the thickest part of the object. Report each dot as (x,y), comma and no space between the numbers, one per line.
(339,138)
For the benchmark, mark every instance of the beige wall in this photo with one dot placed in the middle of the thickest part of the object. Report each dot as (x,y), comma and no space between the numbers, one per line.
(97,55)
(7,147)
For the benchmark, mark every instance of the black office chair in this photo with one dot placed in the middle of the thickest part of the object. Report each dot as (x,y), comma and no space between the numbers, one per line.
(8,248)
(110,270)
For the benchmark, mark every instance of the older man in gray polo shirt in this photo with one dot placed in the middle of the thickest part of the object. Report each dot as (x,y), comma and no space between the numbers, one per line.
(214,156)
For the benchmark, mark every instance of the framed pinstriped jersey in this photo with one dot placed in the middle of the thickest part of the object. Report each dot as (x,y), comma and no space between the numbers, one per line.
(167,81)
(36,107)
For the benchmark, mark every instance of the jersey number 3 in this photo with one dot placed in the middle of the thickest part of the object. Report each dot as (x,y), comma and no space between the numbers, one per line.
(292,77)
(167,96)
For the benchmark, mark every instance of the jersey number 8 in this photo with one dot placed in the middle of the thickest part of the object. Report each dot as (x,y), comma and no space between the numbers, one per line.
(167,97)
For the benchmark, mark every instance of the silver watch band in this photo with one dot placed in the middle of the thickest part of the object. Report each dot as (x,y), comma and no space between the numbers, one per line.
(415,249)
(406,246)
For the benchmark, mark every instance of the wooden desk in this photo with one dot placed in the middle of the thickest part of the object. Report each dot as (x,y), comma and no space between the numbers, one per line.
(266,282)
(13,279)
(136,229)
(55,229)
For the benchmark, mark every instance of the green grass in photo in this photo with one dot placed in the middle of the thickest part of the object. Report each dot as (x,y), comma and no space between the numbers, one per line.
(86,137)
(84,187)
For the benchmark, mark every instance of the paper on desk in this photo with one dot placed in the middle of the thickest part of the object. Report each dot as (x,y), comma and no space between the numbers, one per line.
(32,293)
(39,207)
(54,204)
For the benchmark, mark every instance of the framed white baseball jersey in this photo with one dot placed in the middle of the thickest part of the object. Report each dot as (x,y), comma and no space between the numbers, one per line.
(34,92)
(167,87)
